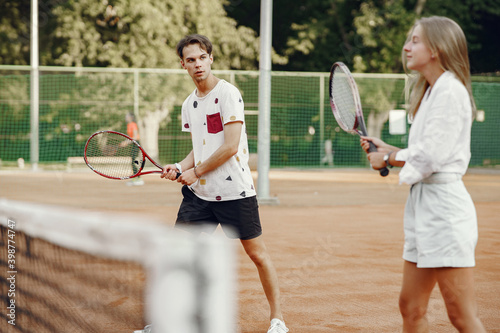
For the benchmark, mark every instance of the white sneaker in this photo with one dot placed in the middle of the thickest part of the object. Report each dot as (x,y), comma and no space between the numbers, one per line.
(147,329)
(138,182)
(277,326)
(135,182)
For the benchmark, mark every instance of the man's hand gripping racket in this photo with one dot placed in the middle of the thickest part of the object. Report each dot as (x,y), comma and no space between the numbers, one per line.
(117,156)
(346,104)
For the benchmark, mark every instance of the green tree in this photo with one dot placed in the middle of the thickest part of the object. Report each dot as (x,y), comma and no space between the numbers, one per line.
(382,28)
(319,33)
(14,32)
(124,33)
(144,33)
(367,35)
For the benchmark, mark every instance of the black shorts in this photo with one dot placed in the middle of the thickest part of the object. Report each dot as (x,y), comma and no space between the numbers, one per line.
(238,218)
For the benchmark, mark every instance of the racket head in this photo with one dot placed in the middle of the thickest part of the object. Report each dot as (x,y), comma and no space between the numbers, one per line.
(114,155)
(346,104)
(345,101)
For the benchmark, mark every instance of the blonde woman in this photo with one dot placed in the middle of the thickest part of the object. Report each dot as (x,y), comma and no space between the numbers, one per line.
(440,219)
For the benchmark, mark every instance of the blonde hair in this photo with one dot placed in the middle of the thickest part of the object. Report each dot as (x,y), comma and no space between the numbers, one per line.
(447,41)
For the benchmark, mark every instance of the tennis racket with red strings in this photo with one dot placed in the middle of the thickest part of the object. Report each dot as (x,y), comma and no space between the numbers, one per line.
(346,104)
(115,155)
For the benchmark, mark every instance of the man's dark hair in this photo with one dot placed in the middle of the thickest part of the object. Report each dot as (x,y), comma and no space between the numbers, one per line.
(194,39)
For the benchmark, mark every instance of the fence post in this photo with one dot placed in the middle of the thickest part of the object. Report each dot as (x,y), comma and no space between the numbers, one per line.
(136,93)
(321,117)
(264,135)
(34,88)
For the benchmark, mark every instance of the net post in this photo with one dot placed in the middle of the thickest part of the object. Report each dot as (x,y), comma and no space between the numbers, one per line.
(34,88)
(264,124)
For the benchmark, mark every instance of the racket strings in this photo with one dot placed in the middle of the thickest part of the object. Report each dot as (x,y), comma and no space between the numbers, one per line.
(114,155)
(343,98)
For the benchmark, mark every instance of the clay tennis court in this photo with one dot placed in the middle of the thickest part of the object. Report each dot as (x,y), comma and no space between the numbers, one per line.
(336,240)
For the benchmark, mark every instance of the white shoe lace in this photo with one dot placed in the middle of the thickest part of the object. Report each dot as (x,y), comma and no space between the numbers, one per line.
(277,326)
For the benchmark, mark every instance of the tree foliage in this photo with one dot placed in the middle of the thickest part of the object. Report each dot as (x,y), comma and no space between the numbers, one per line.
(123,33)
(382,30)
(14,32)
(307,35)
(368,35)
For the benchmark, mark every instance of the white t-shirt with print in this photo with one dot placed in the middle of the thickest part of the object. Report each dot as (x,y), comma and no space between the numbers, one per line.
(205,118)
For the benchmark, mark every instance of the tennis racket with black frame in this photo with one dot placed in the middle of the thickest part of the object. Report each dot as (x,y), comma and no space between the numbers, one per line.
(115,155)
(346,104)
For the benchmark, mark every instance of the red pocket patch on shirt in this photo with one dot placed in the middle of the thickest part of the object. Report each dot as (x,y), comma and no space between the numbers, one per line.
(214,123)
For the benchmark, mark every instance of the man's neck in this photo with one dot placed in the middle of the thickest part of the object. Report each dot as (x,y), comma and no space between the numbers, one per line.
(205,86)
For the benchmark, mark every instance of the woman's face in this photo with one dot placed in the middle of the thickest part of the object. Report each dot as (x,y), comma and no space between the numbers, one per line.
(418,55)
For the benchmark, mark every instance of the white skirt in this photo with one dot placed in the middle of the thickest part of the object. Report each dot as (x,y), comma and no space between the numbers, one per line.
(440,223)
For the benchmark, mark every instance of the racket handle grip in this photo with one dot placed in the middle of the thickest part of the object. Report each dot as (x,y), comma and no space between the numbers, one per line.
(384,171)
(178,175)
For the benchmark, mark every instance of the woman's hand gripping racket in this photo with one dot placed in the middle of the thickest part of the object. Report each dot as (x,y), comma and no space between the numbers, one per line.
(116,156)
(346,104)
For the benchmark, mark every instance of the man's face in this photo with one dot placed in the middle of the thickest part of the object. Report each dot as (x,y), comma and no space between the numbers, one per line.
(197,62)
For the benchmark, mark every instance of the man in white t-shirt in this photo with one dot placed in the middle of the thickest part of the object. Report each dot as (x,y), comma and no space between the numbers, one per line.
(218,186)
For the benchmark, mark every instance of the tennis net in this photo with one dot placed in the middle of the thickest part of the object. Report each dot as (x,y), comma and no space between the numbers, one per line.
(78,271)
